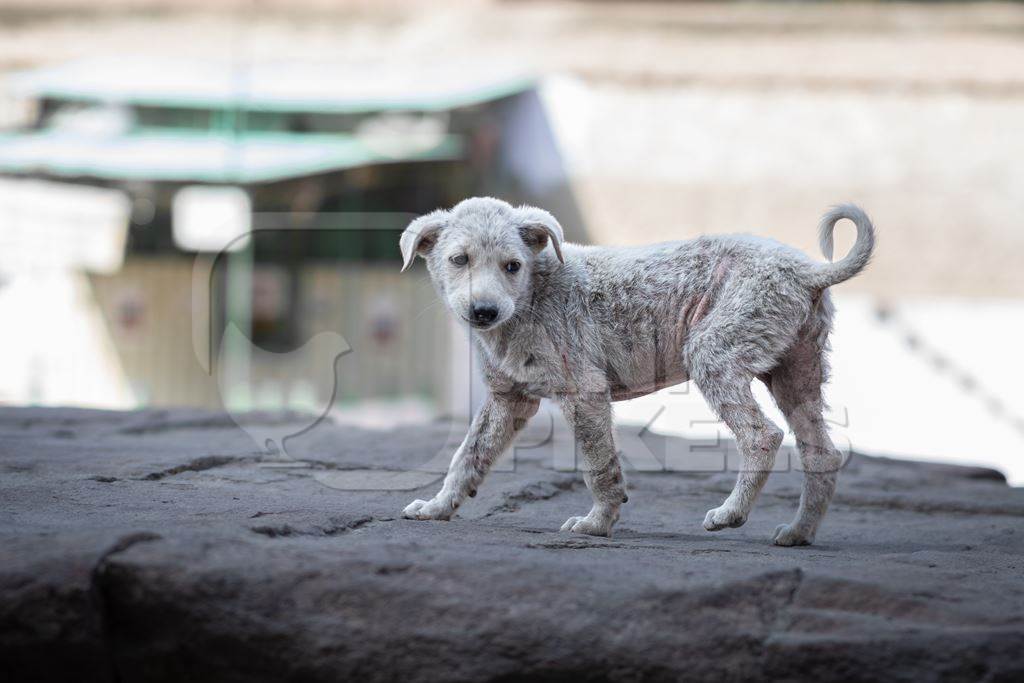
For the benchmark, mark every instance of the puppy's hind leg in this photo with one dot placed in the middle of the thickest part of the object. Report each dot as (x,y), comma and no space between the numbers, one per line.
(758,438)
(796,386)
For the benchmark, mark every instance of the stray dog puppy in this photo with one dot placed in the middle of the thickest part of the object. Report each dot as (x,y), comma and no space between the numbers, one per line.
(586,326)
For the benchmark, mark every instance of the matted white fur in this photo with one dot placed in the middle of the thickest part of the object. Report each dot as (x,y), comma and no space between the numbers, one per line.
(587,326)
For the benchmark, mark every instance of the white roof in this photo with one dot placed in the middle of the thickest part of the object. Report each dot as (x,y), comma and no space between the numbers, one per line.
(186,156)
(277,86)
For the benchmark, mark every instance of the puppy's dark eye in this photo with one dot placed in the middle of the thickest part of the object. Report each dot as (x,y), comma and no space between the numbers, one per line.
(513,266)
(459,259)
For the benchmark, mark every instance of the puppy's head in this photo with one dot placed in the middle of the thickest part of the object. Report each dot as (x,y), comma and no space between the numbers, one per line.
(480,255)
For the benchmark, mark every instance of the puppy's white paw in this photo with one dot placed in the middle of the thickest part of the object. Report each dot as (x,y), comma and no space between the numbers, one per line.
(723,517)
(590,525)
(428,509)
(788,535)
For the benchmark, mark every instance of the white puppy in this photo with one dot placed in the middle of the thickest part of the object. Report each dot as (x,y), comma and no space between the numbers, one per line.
(587,326)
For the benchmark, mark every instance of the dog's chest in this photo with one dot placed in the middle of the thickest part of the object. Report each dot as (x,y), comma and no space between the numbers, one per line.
(527,365)
(532,371)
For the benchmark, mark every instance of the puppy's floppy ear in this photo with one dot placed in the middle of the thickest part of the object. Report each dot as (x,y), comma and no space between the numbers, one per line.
(420,236)
(537,226)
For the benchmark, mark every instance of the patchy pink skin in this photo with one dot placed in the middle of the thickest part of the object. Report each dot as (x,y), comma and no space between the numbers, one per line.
(706,298)
(691,314)
(697,308)
(700,310)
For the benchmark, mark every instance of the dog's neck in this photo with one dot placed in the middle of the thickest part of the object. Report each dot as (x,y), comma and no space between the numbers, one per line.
(496,341)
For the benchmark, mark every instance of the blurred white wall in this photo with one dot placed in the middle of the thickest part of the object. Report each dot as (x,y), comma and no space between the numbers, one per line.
(58,350)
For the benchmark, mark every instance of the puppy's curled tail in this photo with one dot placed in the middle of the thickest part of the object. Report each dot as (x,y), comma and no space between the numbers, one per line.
(827,274)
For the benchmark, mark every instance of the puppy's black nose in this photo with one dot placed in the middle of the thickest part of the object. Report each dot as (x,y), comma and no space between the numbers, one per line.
(484,313)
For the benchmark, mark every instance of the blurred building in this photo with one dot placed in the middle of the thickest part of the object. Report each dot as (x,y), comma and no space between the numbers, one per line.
(290,183)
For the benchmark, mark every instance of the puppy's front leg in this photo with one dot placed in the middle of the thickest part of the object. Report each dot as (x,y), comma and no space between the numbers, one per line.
(491,432)
(591,421)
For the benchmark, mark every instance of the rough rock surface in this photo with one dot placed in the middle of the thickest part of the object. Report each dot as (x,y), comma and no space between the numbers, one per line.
(159,545)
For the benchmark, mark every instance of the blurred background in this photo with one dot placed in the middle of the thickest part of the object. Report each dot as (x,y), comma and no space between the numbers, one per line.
(200,202)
